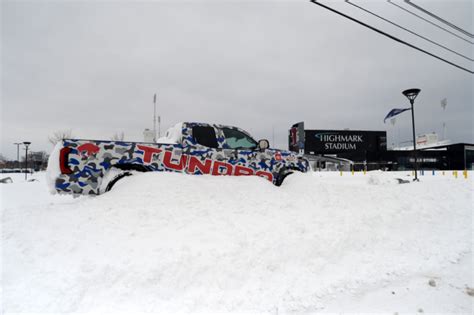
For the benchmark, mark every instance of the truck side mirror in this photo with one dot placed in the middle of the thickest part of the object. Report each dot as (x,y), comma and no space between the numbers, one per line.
(263,144)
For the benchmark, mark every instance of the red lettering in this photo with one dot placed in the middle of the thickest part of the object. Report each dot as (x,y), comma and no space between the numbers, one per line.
(195,162)
(216,168)
(148,152)
(88,149)
(267,175)
(174,166)
(242,170)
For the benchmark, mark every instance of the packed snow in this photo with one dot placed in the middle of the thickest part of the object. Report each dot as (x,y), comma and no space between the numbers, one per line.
(173,243)
(54,170)
(173,135)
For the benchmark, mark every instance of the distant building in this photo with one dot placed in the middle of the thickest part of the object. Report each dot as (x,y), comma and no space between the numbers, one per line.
(37,160)
(455,156)
(148,135)
(368,150)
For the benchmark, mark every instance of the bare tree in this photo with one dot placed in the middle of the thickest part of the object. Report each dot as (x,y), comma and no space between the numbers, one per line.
(60,135)
(118,136)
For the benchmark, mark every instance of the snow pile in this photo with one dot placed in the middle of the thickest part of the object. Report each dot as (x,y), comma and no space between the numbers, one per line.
(381,178)
(173,135)
(5,180)
(53,170)
(166,242)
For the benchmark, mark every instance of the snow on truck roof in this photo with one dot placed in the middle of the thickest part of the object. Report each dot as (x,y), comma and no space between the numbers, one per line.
(172,135)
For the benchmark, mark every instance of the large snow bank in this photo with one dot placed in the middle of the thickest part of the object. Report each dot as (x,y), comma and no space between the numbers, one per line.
(53,170)
(166,242)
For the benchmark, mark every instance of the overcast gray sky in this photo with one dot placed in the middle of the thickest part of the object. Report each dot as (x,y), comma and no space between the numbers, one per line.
(93,67)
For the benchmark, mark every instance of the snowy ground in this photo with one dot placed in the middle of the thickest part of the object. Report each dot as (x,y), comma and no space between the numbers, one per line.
(177,243)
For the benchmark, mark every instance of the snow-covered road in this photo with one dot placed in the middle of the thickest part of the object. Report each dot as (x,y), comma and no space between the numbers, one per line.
(178,243)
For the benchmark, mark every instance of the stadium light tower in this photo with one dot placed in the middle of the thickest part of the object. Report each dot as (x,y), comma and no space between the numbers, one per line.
(26,143)
(18,153)
(411,94)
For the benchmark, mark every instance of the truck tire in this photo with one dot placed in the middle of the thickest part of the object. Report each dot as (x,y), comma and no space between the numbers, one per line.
(282,175)
(112,176)
(116,179)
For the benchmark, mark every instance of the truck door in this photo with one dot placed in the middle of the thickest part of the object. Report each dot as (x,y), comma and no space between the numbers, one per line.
(241,151)
(206,155)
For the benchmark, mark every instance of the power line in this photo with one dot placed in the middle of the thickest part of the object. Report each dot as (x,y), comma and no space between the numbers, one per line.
(428,21)
(409,31)
(439,19)
(391,37)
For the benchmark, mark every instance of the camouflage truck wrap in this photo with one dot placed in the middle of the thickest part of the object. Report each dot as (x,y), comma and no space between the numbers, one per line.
(93,166)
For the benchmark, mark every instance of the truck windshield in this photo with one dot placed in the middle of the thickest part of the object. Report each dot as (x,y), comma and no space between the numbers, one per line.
(236,139)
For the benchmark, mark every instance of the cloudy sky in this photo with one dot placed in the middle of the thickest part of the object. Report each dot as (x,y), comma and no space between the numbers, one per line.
(93,67)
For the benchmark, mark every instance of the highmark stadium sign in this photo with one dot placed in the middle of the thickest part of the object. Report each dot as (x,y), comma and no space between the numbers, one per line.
(337,141)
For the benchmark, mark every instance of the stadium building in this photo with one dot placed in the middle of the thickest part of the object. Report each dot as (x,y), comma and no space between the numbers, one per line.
(362,149)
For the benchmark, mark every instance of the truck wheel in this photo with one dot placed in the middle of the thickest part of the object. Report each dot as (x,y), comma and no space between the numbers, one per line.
(111,177)
(116,179)
(282,175)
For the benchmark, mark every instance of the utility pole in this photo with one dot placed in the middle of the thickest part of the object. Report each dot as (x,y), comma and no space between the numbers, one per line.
(26,143)
(18,153)
(154,118)
(273,136)
(444,103)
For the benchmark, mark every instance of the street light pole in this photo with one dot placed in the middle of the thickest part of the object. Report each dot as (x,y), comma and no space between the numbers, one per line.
(411,94)
(18,153)
(154,118)
(414,138)
(26,143)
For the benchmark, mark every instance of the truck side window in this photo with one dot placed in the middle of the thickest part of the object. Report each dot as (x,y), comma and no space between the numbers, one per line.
(236,139)
(205,135)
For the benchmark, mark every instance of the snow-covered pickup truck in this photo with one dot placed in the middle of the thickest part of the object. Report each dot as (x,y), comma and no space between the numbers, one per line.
(94,166)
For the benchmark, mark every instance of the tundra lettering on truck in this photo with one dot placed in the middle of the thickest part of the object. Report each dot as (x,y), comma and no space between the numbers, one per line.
(93,166)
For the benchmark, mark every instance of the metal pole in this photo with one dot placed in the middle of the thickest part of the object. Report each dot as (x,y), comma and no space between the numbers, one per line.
(154,118)
(159,125)
(444,103)
(465,161)
(26,164)
(26,143)
(414,139)
(273,136)
(18,154)
(444,131)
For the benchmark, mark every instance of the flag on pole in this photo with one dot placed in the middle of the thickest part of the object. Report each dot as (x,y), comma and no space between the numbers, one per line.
(154,98)
(395,112)
(444,102)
